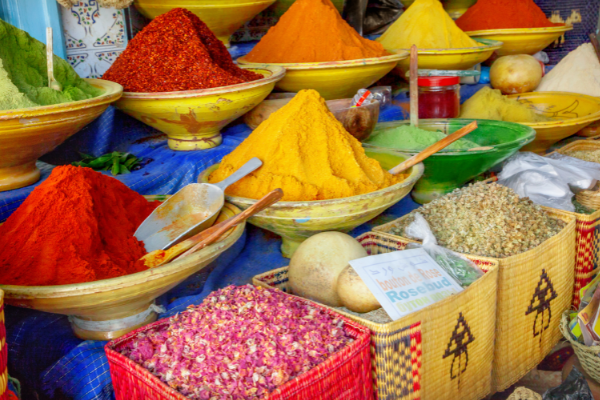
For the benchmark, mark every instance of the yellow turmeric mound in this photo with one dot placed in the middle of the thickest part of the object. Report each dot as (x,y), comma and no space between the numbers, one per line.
(307,153)
(426,24)
(489,103)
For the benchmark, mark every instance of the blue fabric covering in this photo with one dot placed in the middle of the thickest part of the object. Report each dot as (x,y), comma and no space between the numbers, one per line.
(43,352)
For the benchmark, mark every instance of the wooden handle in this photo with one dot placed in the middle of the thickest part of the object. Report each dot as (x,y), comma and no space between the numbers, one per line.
(49,56)
(594,40)
(434,148)
(414,86)
(159,257)
(270,199)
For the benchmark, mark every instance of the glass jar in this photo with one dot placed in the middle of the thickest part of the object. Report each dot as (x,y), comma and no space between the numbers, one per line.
(439,97)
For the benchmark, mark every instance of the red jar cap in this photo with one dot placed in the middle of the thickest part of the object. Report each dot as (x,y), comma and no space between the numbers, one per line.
(439,80)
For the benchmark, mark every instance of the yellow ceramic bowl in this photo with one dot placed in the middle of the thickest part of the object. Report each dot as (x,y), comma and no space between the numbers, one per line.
(122,297)
(522,41)
(570,112)
(29,133)
(455,8)
(295,221)
(193,119)
(336,79)
(449,59)
(223,17)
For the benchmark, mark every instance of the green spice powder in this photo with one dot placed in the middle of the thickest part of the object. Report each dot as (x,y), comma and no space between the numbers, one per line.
(410,138)
(10,97)
(24,61)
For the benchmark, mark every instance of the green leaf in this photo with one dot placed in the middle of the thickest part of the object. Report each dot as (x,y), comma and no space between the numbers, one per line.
(132,162)
(124,169)
(115,167)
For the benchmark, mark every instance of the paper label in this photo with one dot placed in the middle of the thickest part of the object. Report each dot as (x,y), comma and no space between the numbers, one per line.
(405,281)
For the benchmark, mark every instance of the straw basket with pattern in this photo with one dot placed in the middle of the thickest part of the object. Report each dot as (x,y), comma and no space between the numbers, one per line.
(534,288)
(3,353)
(588,198)
(441,352)
(344,375)
(589,356)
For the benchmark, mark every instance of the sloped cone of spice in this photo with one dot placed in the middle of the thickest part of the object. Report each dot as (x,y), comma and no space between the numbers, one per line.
(307,153)
(77,226)
(176,52)
(313,31)
(503,14)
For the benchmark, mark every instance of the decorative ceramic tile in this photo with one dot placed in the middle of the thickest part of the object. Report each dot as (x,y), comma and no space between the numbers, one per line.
(94,37)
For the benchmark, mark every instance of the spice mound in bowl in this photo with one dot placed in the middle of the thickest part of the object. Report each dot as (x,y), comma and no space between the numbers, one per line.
(488,220)
(176,52)
(240,343)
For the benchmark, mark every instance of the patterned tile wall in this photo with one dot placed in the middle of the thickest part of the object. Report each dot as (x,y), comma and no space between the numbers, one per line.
(94,37)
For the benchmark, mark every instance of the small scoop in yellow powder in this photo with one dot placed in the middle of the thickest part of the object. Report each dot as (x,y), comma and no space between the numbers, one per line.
(307,153)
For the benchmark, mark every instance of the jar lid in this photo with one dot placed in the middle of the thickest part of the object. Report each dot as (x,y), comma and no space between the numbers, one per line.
(439,80)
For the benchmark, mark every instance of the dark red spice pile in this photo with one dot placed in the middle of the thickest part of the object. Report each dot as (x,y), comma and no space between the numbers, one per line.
(175,52)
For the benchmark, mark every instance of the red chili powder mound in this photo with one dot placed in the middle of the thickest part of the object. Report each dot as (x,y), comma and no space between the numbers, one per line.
(77,226)
(503,14)
(175,52)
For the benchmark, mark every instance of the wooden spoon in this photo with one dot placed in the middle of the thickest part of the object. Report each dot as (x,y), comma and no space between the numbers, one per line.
(52,82)
(594,40)
(434,148)
(414,86)
(209,236)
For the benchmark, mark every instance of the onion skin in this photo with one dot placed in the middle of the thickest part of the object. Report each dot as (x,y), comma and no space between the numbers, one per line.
(516,74)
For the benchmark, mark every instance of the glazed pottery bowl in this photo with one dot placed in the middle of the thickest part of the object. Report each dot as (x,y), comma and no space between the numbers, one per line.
(335,79)
(223,17)
(193,119)
(451,169)
(295,221)
(570,113)
(108,302)
(29,133)
(451,59)
(522,41)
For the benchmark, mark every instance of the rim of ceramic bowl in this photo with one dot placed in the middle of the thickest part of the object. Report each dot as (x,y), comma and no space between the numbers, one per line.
(397,55)
(276,74)
(495,148)
(201,4)
(112,92)
(415,175)
(520,31)
(15,292)
(487,45)
(560,122)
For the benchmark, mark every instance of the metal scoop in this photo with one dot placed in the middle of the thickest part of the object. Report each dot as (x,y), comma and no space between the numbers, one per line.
(188,212)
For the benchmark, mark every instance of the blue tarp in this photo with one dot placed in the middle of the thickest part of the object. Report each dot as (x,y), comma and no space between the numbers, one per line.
(43,352)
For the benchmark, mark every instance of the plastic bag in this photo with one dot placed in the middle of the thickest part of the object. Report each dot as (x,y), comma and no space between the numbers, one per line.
(575,387)
(549,181)
(463,270)
(542,188)
(382,94)
(354,14)
(380,15)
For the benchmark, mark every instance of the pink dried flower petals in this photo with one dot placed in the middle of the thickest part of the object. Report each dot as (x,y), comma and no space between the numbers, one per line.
(240,343)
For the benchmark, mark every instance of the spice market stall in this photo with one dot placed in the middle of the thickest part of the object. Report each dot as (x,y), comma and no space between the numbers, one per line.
(496,317)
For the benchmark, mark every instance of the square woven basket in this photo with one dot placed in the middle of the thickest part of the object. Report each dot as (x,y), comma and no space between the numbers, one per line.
(534,289)
(442,352)
(345,375)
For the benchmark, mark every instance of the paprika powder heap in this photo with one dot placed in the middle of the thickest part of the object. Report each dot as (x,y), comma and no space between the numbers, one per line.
(503,14)
(176,52)
(77,226)
(313,31)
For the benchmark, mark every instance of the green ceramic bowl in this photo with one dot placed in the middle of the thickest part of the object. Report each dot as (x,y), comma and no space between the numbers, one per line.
(448,170)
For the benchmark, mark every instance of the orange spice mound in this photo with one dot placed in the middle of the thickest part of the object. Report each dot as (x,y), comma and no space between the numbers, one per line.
(313,31)
(77,226)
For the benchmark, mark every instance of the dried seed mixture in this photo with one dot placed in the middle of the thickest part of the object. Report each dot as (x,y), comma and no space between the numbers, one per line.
(585,155)
(240,343)
(487,220)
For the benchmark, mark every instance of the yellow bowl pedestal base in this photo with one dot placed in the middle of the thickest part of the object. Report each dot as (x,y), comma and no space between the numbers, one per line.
(110,335)
(189,143)
(19,176)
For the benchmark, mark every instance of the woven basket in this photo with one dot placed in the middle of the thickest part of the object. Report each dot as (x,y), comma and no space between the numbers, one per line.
(345,375)
(522,341)
(3,353)
(417,356)
(589,198)
(589,356)
(522,393)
